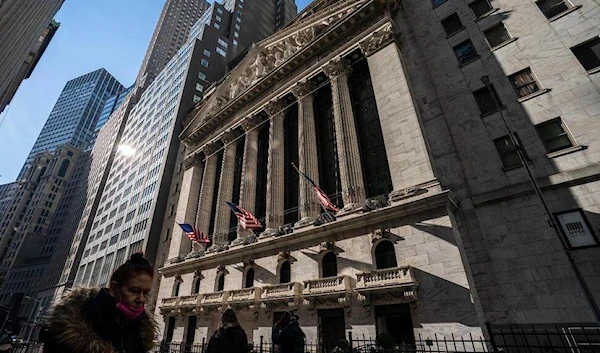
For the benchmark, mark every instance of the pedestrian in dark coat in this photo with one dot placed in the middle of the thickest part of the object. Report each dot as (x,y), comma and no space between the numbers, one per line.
(230,337)
(288,335)
(106,320)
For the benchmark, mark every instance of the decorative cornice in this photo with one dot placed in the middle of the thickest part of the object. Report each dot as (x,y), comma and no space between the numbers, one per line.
(304,88)
(378,40)
(337,67)
(192,160)
(211,148)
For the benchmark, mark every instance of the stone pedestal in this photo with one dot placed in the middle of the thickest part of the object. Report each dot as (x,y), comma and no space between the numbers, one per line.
(353,190)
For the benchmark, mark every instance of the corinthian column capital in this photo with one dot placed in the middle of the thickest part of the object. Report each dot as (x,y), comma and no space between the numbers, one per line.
(230,136)
(192,160)
(275,107)
(210,148)
(378,40)
(251,122)
(303,88)
(337,67)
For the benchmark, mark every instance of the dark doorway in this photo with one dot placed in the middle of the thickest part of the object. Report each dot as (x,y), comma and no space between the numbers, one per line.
(385,255)
(329,265)
(221,283)
(332,328)
(170,329)
(249,278)
(191,333)
(396,321)
(285,273)
(197,286)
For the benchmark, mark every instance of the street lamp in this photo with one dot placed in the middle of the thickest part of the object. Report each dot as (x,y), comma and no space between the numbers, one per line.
(33,324)
(538,191)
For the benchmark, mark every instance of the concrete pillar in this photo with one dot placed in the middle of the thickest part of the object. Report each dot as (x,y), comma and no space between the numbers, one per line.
(353,189)
(187,207)
(248,184)
(275,167)
(410,164)
(307,147)
(225,194)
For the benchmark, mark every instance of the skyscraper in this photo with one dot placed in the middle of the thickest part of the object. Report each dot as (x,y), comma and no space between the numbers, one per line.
(33,57)
(22,22)
(171,32)
(111,105)
(75,113)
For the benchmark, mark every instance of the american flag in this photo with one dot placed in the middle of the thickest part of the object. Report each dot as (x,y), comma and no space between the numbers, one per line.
(194,234)
(247,220)
(321,195)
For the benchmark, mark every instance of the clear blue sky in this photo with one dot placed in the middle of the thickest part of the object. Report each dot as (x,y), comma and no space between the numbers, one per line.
(113,34)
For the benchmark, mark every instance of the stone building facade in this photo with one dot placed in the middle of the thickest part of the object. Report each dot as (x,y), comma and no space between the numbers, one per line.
(382,103)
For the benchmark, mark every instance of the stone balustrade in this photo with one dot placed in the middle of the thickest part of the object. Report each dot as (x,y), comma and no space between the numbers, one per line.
(284,290)
(245,295)
(215,298)
(172,301)
(397,276)
(327,285)
(190,300)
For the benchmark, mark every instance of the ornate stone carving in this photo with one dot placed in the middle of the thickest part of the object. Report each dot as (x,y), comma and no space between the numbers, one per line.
(176,259)
(377,40)
(192,161)
(304,222)
(303,88)
(230,136)
(275,107)
(215,248)
(269,232)
(326,217)
(349,209)
(199,252)
(399,195)
(251,122)
(337,67)
(327,246)
(375,203)
(380,234)
(251,239)
(211,148)
(284,256)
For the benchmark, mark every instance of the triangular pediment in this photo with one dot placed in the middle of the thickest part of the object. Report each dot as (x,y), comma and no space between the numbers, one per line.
(273,52)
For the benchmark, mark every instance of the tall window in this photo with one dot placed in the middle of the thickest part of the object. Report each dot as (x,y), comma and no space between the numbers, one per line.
(329,265)
(452,24)
(176,288)
(588,54)
(373,156)
(508,152)
(221,282)
(329,169)
(385,255)
(63,168)
(237,182)
(481,8)
(249,283)
(551,8)
(292,191)
(285,272)
(524,82)
(465,52)
(196,286)
(261,171)
(497,35)
(485,100)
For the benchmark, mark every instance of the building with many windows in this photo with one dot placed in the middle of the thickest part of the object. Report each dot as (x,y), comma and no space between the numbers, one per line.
(111,105)
(22,24)
(74,116)
(401,112)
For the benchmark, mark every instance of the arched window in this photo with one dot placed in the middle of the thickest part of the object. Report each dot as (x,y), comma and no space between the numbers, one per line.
(63,168)
(385,256)
(196,286)
(285,273)
(249,278)
(176,288)
(329,265)
(221,282)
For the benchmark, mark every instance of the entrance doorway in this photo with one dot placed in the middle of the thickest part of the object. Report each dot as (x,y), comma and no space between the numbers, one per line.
(332,328)
(396,321)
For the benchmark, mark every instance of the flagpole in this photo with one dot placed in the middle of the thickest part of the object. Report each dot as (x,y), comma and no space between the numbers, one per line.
(306,181)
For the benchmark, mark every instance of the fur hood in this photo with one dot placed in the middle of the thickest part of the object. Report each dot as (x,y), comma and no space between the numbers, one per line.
(70,330)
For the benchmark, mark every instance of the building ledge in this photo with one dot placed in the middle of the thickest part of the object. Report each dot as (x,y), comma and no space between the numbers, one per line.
(593,71)
(533,95)
(367,222)
(565,151)
(564,13)
(503,44)
(487,14)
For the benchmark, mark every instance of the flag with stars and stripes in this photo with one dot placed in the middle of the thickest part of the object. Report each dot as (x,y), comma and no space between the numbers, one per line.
(194,234)
(247,220)
(321,195)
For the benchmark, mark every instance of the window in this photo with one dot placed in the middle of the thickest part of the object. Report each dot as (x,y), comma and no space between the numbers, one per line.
(329,265)
(551,8)
(222,43)
(385,255)
(197,99)
(221,282)
(524,82)
(196,286)
(176,287)
(249,282)
(437,2)
(202,76)
(206,52)
(465,52)
(481,8)
(497,35)
(285,273)
(588,54)
(452,24)
(555,135)
(485,100)
(63,168)
(217,25)
(221,52)
(508,152)
(204,63)
(199,87)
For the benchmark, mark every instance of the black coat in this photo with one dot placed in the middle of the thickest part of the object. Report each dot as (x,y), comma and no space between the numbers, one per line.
(87,321)
(290,339)
(231,339)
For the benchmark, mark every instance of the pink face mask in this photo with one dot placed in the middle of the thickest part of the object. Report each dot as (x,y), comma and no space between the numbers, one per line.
(129,311)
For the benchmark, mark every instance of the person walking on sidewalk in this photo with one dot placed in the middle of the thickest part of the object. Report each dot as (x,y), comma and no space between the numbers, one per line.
(288,335)
(230,337)
(105,320)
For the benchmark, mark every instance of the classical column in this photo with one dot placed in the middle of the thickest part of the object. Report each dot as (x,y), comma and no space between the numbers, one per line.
(186,207)
(248,184)
(307,147)
(353,189)
(275,169)
(223,212)
(404,143)
(206,195)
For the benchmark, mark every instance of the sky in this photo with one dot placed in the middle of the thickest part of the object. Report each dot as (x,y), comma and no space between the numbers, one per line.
(113,34)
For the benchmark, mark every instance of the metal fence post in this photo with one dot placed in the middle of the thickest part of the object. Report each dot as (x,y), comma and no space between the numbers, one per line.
(488,326)
(203,342)
(261,344)
(350,340)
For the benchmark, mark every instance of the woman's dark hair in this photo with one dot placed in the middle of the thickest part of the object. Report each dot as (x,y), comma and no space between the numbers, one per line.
(137,264)
(229,317)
